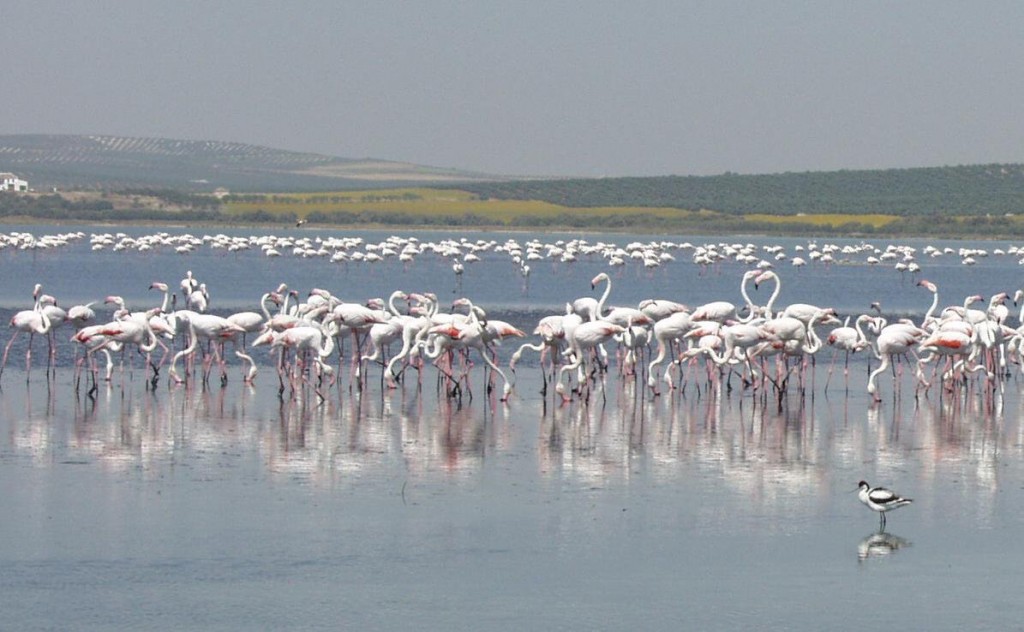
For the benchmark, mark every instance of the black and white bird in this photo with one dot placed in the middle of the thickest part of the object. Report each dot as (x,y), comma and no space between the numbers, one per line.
(880,499)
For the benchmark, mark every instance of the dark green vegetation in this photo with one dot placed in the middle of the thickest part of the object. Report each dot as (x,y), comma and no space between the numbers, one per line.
(962,190)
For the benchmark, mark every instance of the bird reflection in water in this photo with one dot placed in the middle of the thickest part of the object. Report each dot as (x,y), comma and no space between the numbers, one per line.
(772,456)
(880,545)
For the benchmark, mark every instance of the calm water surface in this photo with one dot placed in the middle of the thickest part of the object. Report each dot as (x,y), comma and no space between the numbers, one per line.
(706,508)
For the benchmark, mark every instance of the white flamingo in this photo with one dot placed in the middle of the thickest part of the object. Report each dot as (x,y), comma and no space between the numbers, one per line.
(31,321)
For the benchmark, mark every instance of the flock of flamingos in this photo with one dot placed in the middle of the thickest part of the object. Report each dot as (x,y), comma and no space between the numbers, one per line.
(661,342)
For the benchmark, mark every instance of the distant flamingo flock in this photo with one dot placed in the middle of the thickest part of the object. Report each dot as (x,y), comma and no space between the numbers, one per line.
(463,251)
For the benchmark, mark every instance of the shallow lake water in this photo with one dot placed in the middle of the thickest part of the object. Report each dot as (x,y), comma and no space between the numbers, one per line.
(708,507)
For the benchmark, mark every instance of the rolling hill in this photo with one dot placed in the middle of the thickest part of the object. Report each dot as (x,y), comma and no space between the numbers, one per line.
(79,161)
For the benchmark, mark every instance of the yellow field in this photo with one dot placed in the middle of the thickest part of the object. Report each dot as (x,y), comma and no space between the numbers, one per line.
(428,202)
(875,220)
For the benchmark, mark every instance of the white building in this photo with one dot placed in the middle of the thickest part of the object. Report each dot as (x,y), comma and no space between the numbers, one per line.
(11,182)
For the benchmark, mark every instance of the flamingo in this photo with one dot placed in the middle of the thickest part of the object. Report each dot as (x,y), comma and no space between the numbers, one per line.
(305,338)
(384,334)
(849,340)
(633,340)
(357,319)
(666,332)
(585,338)
(553,331)
(895,339)
(997,309)
(739,339)
(80,316)
(658,309)
(199,299)
(31,321)
(91,338)
(57,316)
(208,327)
(188,285)
(473,334)
(952,343)
(412,331)
(928,321)
(721,311)
(588,307)
(120,333)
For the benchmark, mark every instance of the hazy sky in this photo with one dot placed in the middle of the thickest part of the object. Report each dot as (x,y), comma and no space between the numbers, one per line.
(534,87)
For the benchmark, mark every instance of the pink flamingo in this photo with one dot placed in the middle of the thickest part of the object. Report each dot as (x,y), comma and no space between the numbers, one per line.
(849,340)
(211,328)
(895,339)
(667,331)
(304,339)
(119,334)
(31,321)
(586,338)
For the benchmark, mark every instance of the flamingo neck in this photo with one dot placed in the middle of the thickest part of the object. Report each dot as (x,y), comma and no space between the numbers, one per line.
(934,306)
(775,294)
(746,297)
(813,335)
(599,312)
(391,304)
(861,336)
(327,347)
(147,347)
(263,306)
(47,323)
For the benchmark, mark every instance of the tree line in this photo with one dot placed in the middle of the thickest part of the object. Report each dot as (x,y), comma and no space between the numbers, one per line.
(961,190)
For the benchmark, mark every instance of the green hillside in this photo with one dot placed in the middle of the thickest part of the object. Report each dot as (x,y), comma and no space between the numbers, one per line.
(112,162)
(961,190)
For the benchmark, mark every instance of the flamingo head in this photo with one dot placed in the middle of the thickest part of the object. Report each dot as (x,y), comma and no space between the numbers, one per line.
(448,330)
(267,337)
(928,285)
(156,285)
(764,276)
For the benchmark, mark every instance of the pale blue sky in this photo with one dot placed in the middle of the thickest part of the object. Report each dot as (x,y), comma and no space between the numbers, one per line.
(534,88)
